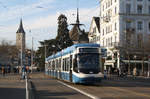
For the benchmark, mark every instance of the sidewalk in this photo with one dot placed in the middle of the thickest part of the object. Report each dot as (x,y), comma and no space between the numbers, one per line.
(128,78)
(11,87)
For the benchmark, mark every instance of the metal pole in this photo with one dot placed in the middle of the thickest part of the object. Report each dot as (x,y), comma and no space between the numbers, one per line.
(21,55)
(27,89)
(45,52)
(32,56)
(45,55)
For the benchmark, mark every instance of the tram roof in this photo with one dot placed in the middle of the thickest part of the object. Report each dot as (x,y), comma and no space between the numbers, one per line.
(71,49)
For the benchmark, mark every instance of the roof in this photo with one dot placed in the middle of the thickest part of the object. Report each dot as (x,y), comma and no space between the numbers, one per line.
(20,29)
(97,21)
(76,34)
(73,34)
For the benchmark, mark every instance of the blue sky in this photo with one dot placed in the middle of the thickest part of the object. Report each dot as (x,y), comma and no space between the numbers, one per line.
(40,16)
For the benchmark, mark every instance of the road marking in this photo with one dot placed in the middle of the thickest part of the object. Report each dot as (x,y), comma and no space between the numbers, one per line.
(82,92)
(133,92)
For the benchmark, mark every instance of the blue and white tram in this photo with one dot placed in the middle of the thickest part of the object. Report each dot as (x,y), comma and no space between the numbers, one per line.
(79,63)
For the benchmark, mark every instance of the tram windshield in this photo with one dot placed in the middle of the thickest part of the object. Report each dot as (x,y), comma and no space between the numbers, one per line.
(88,63)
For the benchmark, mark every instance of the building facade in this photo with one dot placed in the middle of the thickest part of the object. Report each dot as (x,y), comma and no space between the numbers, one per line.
(94,32)
(125,29)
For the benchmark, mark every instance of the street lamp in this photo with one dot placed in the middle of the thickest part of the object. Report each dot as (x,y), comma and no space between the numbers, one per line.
(45,51)
(31,53)
(32,57)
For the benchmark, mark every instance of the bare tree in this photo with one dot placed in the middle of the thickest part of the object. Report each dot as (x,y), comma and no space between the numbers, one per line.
(7,52)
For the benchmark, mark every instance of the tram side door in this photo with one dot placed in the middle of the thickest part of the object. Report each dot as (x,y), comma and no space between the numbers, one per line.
(70,74)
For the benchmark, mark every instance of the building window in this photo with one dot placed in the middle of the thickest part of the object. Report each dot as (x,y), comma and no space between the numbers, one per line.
(140,25)
(139,9)
(149,26)
(115,26)
(140,40)
(115,10)
(128,8)
(94,30)
(149,10)
(111,2)
(128,25)
(115,39)
(111,41)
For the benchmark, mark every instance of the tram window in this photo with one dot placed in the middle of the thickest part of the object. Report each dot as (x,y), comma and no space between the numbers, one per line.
(68,64)
(59,64)
(63,64)
(75,67)
(53,65)
(71,61)
(50,64)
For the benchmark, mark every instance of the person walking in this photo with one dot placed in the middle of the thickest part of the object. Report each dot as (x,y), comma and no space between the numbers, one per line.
(105,74)
(3,71)
(134,72)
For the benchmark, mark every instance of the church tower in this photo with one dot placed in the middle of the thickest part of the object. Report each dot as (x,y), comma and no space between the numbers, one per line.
(20,37)
(76,34)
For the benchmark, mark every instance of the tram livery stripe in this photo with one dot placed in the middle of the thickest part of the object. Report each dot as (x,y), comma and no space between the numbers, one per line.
(82,92)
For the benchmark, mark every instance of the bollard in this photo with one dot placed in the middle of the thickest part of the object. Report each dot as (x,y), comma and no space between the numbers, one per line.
(27,88)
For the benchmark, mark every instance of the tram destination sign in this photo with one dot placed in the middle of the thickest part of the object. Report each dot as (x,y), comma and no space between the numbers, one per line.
(88,50)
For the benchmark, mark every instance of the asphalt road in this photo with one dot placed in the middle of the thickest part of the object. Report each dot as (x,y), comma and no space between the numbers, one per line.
(49,88)
(11,87)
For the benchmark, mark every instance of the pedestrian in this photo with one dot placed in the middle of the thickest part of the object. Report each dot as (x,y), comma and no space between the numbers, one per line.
(27,69)
(105,74)
(134,72)
(118,73)
(3,71)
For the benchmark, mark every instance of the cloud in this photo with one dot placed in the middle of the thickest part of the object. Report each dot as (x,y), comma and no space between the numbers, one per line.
(44,26)
(51,20)
(25,10)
